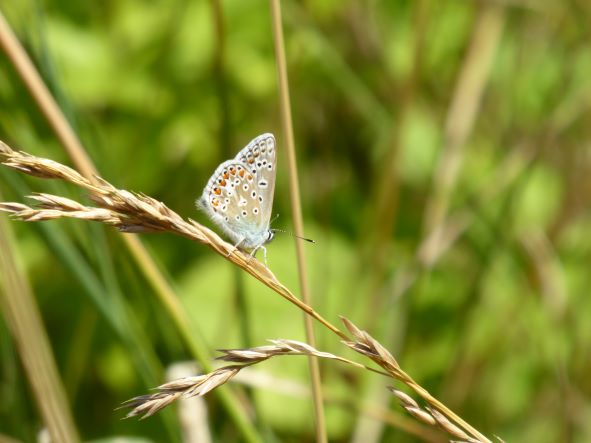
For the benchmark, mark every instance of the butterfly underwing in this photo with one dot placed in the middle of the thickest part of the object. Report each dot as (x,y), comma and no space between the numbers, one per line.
(239,195)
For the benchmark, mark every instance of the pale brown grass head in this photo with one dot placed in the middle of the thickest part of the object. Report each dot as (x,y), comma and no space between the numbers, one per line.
(133,212)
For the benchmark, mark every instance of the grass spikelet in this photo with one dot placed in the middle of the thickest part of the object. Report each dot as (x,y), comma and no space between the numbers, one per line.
(134,212)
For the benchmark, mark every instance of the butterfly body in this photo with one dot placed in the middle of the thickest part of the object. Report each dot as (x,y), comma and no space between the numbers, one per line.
(239,195)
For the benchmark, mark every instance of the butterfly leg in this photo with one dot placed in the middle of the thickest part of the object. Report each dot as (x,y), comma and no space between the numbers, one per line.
(265,255)
(235,246)
(253,252)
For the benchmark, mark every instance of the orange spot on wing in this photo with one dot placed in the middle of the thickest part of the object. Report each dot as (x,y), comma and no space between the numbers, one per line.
(226,176)
(241,172)
(223,183)
(217,191)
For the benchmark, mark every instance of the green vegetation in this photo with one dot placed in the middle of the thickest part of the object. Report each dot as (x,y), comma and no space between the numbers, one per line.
(444,169)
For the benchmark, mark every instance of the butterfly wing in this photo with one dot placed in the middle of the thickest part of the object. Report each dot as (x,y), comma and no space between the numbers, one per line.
(239,194)
(260,156)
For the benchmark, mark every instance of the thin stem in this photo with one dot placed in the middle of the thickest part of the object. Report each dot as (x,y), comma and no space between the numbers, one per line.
(296,210)
(63,130)
(407,379)
(47,105)
(462,113)
(24,320)
(133,212)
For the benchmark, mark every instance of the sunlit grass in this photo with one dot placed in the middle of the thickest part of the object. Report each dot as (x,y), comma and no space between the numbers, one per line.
(488,314)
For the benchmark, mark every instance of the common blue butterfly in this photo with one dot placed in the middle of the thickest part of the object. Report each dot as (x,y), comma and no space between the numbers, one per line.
(239,195)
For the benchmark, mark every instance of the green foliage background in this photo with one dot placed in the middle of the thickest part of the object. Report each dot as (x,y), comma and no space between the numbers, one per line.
(497,328)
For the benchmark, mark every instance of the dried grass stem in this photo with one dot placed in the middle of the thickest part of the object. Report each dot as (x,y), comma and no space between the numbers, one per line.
(133,212)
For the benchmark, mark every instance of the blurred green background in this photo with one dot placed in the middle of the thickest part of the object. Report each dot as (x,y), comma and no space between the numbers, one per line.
(445,169)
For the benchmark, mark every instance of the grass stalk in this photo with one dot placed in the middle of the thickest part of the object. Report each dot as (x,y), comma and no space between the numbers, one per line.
(24,320)
(71,143)
(351,404)
(462,112)
(296,210)
(378,246)
(104,298)
(132,212)
(436,415)
(7,439)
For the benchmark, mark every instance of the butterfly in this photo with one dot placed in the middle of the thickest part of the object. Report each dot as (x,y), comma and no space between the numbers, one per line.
(239,195)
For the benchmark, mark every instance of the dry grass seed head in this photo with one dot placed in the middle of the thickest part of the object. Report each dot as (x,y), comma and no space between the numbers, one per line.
(132,212)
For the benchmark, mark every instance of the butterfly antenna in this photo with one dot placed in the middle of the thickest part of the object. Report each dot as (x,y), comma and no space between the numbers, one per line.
(273,219)
(296,236)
